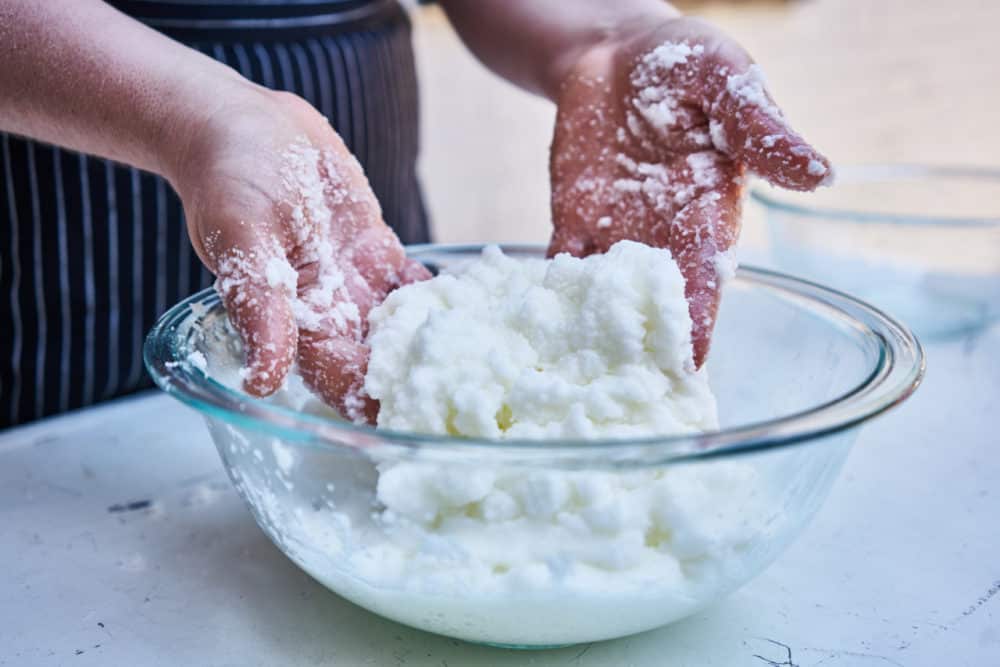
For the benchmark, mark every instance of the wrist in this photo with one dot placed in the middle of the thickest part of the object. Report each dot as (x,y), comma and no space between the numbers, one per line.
(196,103)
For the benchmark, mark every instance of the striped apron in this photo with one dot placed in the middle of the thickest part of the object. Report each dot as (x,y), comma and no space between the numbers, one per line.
(91,252)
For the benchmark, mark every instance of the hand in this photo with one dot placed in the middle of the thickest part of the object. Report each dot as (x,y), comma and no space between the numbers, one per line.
(653,134)
(282,214)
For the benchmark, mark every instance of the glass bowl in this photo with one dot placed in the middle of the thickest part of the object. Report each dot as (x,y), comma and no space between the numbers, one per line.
(542,543)
(922,243)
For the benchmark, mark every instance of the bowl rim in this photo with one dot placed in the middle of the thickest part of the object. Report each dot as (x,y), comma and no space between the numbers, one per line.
(770,197)
(897,371)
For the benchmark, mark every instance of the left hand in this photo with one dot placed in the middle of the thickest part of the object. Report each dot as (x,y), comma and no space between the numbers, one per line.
(281,212)
(654,132)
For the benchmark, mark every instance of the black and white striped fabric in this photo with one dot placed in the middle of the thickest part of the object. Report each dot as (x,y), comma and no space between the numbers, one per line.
(91,253)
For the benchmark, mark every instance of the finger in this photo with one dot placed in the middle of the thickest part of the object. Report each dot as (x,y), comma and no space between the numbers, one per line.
(701,235)
(257,294)
(413,272)
(567,237)
(335,369)
(747,125)
(380,258)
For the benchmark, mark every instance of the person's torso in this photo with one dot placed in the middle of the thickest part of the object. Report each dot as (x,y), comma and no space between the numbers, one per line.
(194,19)
(91,253)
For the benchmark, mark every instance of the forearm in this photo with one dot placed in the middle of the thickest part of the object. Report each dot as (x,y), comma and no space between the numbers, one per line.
(534,43)
(82,75)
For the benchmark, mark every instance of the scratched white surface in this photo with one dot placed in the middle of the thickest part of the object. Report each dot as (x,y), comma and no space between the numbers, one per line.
(901,567)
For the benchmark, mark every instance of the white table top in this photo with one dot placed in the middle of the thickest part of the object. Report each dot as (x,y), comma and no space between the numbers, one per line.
(901,567)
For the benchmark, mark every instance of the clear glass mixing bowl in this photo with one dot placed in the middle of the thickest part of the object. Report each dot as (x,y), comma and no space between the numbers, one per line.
(920,242)
(592,539)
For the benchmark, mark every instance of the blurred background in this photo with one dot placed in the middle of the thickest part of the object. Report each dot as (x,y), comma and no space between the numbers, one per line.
(864,80)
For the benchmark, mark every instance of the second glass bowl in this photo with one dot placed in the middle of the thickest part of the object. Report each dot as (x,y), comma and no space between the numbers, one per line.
(921,242)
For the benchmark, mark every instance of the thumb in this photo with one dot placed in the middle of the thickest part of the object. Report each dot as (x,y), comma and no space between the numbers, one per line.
(256,287)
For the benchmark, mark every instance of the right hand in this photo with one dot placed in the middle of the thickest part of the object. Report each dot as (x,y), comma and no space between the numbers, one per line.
(281,212)
(654,131)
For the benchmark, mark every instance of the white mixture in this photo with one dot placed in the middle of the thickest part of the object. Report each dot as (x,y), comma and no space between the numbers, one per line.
(567,348)
(512,348)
